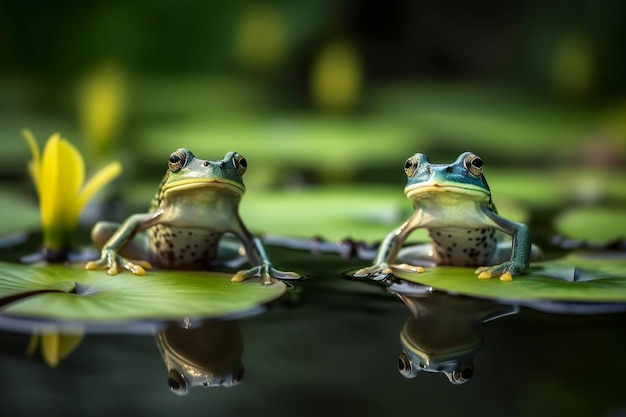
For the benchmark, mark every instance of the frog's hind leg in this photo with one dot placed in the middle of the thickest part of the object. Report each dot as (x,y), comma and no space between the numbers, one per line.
(137,248)
(230,252)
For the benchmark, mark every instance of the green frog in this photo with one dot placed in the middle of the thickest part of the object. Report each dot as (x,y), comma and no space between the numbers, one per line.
(453,202)
(196,204)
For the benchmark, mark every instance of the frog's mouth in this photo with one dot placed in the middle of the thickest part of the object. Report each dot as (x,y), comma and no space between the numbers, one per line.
(425,189)
(197,183)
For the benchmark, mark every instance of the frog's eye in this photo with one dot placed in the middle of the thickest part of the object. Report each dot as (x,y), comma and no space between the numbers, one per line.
(177,160)
(240,164)
(410,166)
(474,165)
(405,367)
(461,375)
(177,382)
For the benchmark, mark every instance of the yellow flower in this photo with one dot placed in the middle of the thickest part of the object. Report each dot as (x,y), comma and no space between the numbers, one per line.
(59,174)
(54,345)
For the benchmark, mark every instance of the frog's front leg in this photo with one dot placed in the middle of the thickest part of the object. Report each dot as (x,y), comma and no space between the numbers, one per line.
(387,253)
(118,246)
(520,251)
(263,267)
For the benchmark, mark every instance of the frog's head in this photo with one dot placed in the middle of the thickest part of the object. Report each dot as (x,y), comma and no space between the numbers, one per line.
(462,177)
(180,381)
(186,172)
(208,355)
(458,371)
(448,348)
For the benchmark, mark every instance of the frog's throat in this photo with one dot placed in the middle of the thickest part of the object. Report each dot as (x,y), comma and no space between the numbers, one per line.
(452,354)
(433,187)
(195,183)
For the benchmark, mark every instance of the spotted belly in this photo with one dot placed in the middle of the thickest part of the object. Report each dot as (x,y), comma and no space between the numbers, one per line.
(463,247)
(182,248)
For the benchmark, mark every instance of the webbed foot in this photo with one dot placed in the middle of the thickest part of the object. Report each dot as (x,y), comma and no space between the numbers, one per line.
(506,270)
(113,263)
(376,272)
(268,274)
(409,268)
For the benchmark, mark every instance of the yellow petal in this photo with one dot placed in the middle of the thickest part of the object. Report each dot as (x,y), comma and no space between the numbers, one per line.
(97,182)
(50,348)
(71,177)
(49,181)
(62,173)
(32,344)
(68,343)
(72,167)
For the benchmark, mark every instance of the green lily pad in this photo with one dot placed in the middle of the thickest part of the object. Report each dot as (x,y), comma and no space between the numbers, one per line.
(595,224)
(93,296)
(573,278)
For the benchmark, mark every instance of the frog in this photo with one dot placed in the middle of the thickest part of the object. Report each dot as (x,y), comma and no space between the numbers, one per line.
(444,332)
(195,206)
(207,355)
(453,203)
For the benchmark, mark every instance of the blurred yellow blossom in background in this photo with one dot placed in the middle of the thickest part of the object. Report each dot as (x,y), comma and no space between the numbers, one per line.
(260,38)
(336,77)
(101,107)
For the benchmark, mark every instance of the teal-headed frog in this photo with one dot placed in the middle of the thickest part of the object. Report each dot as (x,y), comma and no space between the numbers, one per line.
(453,202)
(196,204)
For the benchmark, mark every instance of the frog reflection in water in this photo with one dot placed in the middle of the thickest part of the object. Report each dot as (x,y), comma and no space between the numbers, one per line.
(444,332)
(195,205)
(454,203)
(208,355)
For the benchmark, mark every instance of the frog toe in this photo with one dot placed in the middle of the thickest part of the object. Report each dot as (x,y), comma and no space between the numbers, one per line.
(262,271)
(137,267)
(409,268)
(375,272)
(286,275)
(505,270)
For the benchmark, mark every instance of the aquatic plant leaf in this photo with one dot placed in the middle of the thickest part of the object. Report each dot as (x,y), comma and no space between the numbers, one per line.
(573,278)
(16,279)
(160,295)
(594,224)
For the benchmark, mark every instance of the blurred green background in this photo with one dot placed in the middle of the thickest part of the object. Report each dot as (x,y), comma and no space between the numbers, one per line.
(335,94)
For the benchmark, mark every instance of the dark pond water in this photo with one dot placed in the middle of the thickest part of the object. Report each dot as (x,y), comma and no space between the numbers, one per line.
(334,347)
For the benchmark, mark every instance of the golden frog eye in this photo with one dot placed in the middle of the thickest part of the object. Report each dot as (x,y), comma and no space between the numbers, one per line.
(240,164)
(177,160)
(474,165)
(410,166)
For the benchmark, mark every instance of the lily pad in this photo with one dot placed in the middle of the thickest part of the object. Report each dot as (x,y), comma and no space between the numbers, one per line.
(573,278)
(595,224)
(93,296)
(337,212)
